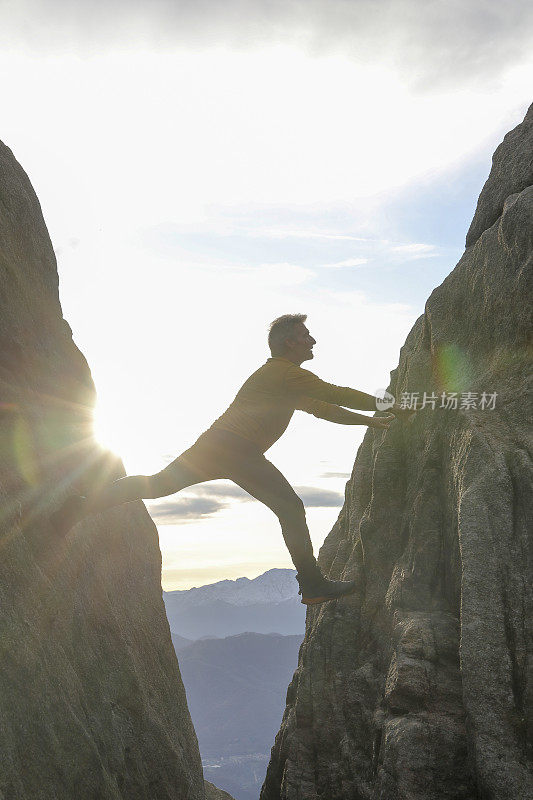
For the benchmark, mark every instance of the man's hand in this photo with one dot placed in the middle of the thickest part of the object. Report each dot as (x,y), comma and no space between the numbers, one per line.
(382,423)
(402,413)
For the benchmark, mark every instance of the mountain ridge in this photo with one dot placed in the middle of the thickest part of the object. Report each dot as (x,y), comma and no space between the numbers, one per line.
(235,689)
(267,604)
(274,585)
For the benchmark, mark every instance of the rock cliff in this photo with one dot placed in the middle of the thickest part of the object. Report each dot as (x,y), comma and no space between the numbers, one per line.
(214,793)
(91,704)
(420,686)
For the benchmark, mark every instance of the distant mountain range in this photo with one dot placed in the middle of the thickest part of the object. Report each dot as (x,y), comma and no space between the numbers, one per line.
(179,642)
(272,586)
(236,690)
(237,671)
(267,604)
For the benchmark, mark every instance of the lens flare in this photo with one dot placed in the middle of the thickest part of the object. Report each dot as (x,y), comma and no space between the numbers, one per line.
(452,369)
(25,451)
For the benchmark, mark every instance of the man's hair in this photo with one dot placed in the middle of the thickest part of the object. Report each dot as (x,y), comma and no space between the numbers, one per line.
(282,329)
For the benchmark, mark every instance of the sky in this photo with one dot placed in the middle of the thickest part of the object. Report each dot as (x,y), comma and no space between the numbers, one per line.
(204,167)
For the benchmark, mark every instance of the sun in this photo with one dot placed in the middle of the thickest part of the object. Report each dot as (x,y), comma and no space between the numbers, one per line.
(130,430)
(105,430)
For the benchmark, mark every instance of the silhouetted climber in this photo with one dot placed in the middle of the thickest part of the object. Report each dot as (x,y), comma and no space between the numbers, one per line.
(234,446)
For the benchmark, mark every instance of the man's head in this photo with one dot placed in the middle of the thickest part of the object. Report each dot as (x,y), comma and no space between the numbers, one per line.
(289,337)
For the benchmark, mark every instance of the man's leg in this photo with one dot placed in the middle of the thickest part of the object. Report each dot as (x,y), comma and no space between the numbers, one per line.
(171,479)
(260,478)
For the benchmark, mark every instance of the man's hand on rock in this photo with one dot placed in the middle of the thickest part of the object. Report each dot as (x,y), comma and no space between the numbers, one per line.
(382,423)
(402,413)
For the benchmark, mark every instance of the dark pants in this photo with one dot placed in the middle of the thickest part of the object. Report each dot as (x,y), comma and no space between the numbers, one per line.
(221,454)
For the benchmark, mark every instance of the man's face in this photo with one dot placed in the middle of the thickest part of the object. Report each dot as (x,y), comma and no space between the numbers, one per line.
(300,344)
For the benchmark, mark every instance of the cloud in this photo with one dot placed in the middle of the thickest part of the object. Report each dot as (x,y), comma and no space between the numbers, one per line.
(353,251)
(319,498)
(431,43)
(197,502)
(415,250)
(349,262)
(222,491)
(184,509)
(290,233)
(207,500)
(335,475)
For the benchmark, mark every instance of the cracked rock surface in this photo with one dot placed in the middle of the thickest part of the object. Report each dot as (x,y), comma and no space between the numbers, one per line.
(420,686)
(92,706)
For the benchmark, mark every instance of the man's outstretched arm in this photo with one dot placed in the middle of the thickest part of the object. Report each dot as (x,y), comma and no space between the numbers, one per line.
(305,383)
(302,382)
(334,413)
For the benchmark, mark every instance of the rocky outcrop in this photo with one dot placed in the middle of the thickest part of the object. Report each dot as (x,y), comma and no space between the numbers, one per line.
(511,173)
(420,686)
(212,792)
(91,702)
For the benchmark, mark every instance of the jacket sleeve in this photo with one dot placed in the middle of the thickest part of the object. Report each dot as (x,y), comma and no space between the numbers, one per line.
(330,411)
(302,383)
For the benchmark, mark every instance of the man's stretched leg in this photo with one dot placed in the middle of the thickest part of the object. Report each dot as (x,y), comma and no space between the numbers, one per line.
(141,487)
(260,478)
(171,479)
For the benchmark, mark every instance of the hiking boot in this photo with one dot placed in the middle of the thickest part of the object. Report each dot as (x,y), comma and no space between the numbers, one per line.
(315,588)
(68,514)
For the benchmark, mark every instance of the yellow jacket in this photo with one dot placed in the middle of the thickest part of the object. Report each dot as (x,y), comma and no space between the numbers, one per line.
(265,403)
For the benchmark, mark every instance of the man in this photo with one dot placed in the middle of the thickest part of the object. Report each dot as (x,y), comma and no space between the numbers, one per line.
(234,446)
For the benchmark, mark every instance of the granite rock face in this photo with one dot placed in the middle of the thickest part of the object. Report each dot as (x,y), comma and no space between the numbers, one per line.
(212,792)
(91,702)
(420,687)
